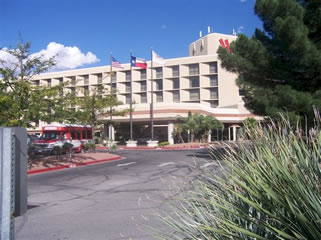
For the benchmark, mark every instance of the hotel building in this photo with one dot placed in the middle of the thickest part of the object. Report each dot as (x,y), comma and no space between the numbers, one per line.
(196,83)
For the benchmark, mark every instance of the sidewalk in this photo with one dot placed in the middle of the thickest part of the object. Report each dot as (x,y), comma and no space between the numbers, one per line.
(42,163)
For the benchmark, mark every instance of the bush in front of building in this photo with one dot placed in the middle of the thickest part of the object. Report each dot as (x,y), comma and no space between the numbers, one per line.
(113,147)
(91,147)
(31,152)
(270,190)
(56,150)
(163,144)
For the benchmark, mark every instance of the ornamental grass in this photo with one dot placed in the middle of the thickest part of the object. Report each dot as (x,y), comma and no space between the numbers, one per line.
(268,189)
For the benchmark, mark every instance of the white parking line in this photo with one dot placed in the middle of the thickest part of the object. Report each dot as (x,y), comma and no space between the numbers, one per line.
(125,164)
(165,164)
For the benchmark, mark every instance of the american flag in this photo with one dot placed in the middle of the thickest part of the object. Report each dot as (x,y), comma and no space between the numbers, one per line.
(115,63)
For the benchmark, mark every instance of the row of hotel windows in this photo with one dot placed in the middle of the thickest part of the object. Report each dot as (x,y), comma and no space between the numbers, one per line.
(193,70)
(194,95)
(193,83)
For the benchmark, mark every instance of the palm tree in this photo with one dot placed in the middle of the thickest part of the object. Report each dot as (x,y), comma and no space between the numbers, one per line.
(198,125)
(211,123)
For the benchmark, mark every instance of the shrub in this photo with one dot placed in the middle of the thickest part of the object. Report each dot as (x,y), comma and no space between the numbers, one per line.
(163,144)
(56,150)
(31,151)
(269,190)
(113,147)
(67,146)
(90,147)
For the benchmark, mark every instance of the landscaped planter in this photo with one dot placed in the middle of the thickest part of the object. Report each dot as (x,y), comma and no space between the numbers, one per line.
(131,143)
(111,143)
(151,143)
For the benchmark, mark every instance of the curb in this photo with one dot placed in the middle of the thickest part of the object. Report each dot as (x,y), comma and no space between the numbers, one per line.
(154,148)
(72,165)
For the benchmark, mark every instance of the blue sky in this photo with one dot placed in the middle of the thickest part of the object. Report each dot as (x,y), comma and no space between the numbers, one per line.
(86,31)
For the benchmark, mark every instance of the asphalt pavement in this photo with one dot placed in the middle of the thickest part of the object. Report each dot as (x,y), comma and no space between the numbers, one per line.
(113,200)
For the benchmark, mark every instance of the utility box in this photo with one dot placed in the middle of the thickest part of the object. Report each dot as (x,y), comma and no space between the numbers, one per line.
(21,163)
(13,178)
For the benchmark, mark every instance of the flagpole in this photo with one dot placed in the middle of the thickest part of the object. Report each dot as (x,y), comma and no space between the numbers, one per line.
(131,98)
(111,92)
(152,99)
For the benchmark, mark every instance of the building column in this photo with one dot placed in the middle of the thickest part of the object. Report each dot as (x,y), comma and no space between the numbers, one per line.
(209,136)
(229,134)
(170,133)
(234,133)
(111,132)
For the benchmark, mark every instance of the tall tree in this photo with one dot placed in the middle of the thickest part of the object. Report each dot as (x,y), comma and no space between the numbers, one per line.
(96,106)
(23,104)
(279,68)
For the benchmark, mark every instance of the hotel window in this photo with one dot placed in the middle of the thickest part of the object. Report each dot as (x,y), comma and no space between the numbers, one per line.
(193,69)
(214,104)
(114,77)
(128,75)
(159,97)
(175,70)
(194,82)
(176,96)
(99,78)
(100,90)
(86,80)
(213,67)
(73,91)
(159,73)
(49,83)
(127,87)
(128,99)
(86,90)
(159,84)
(61,80)
(143,74)
(176,83)
(194,95)
(37,82)
(143,87)
(214,93)
(113,87)
(213,81)
(143,98)
(73,81)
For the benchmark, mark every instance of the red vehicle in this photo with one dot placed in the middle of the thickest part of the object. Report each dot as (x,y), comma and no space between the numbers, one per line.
(58,134)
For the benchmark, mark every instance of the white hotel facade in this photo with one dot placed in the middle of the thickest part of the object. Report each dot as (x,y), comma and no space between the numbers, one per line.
(196,83)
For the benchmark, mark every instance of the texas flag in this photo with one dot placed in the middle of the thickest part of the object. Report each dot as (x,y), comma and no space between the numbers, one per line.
(138,62)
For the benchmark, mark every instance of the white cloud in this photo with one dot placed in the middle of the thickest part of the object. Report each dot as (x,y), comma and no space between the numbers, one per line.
(6,59)
(240,29)
(65,57)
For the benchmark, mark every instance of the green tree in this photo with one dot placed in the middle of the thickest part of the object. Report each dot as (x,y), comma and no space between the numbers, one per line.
(198,126)
(95,107)
(279,68)
(21,103)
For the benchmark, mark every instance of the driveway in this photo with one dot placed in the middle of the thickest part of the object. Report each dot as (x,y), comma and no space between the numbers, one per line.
(112,200)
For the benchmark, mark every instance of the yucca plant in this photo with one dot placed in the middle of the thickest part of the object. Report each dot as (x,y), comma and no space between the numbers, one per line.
(269,189)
